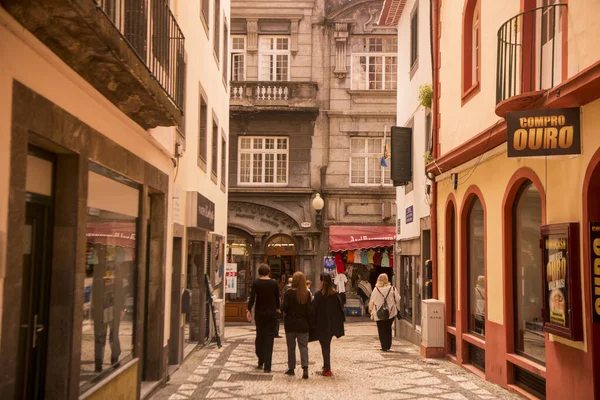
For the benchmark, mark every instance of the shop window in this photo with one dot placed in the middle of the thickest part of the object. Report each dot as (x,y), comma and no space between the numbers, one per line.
(238,58)
(263,160)
(109,295)
(374,63)
(239,252)
(274,58)
(451,253)
(475,269)
(471,45)
(406,284)
(365,163)
(528,296)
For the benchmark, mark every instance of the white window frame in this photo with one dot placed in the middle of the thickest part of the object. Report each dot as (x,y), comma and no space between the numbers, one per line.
(263,151)
(370,55)
(366,155)
(262,53)
(238,53)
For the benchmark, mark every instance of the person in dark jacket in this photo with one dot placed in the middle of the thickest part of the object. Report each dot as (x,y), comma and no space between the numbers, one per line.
(265,293)
(297,312)
(328,319)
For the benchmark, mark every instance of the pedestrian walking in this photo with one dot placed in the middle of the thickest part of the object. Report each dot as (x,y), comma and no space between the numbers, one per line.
(265,293)
(285,288)
(384,308)
(328,319)
(308,285)
(297,313)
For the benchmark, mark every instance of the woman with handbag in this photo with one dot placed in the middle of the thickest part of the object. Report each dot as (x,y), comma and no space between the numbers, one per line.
(328,319)
(297,311)
(383,307)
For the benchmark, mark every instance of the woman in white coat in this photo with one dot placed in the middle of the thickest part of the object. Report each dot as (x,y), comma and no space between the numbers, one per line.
(384,293)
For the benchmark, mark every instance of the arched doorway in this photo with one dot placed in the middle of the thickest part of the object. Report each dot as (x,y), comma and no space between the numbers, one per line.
(280,254)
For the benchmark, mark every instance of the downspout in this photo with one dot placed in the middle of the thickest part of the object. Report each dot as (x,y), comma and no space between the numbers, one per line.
(434,45)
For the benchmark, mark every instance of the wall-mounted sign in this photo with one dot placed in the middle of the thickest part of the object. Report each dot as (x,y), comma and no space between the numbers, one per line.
(595,270)
(547,132)
(562,287)
(205,211)
(409,214)
(230,277)
(305,225)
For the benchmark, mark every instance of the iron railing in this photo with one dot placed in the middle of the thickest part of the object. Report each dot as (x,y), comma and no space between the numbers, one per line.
(530,51)
(153,33)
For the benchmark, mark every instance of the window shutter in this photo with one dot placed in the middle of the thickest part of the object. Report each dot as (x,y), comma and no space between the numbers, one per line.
(401,168)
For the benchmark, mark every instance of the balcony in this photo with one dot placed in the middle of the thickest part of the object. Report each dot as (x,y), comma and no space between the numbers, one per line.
(532,57)
(254,96)
(131,51)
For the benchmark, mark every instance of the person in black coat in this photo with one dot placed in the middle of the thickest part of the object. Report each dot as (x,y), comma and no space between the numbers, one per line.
(265,293)
(328,319)
(297,311)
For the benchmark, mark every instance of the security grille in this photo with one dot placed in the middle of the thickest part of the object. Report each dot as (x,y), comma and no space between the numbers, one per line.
(452,344)
(530,382)
(477,357)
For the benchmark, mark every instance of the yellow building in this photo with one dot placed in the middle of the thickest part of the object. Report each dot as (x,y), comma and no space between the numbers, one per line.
(518,315)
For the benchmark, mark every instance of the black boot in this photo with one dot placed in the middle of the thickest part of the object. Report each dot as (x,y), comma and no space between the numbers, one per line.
(305,373)
(289,372)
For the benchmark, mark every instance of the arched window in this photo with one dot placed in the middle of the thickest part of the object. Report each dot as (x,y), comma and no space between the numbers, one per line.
(527,264)
(471,48)
(280,245)
(475,268)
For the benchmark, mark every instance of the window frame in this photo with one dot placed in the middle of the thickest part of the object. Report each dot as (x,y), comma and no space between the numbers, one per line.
(414,40)
(263,151)
(468,267)
(471,55)
(366,155)
(262,53)
(202,129)
(368,55)
(215,148)
(223,160)
(205,18)
(217,33)
(225,70)
(235,53)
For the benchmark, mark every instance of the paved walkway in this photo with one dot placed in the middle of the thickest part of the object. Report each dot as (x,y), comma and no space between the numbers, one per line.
(361,371)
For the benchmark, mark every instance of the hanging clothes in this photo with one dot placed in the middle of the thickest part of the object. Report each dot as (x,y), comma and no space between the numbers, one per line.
(391,254)
(350,257)
(370,255)
(377,258)
(339,263)
(340,281)
(385,259)
(357,258)
(363,257)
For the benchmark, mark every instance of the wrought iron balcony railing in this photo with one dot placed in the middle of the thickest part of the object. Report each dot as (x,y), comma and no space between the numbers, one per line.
(153,33)
(530,52)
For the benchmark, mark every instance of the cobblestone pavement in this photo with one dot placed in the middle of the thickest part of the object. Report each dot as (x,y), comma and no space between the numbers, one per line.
(361,371)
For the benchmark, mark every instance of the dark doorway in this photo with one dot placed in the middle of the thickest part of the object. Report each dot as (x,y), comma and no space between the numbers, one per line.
(33,336)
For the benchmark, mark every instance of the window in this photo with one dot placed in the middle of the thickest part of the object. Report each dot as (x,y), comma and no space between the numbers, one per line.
(263,160)
(414,38)
(528,296)
(238,58)
(365,162)
(475,269)
(160,32)
(204,12)
(374,63)
(406,286)
(216,39)
(274,58)
(223,160)
(551,25)
(225,51)
(452,254)
(471,46)
(203,128)
(215,147)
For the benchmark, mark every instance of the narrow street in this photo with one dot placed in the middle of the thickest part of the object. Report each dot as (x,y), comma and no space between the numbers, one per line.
(360,370)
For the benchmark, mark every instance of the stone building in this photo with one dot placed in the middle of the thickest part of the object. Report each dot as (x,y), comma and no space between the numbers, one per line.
(313,88)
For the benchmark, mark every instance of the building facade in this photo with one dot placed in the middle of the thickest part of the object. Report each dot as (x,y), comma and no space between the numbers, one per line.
(413,271)
(312,92)
(515,160)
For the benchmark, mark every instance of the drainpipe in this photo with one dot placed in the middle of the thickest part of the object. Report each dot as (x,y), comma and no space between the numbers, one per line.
(434,16)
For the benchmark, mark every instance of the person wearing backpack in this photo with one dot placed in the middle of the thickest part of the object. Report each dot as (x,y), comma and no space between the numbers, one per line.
(383,307)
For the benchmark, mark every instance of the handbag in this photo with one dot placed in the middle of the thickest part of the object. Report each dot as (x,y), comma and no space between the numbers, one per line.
(383,313)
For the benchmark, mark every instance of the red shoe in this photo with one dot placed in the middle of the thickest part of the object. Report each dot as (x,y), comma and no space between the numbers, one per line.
(327,373)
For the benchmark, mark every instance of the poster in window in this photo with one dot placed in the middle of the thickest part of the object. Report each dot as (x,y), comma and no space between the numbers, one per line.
(562,293)
(231,273)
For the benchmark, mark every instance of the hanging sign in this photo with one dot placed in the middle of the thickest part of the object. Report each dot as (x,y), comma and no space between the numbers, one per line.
(562,287)
(549,132)
(230,277)
(595,270)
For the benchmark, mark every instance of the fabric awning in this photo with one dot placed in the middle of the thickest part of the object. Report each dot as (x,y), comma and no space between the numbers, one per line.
(346,237)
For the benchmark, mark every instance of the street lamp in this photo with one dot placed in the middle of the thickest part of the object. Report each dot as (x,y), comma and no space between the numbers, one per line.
(317,205)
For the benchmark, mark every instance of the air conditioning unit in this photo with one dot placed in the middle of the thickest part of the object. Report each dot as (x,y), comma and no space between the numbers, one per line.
(432,323)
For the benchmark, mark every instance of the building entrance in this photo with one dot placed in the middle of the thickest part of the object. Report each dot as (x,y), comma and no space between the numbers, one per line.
(280,252)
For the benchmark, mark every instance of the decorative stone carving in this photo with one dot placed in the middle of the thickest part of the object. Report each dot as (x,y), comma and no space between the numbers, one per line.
(294,32)
(340,35)
(252,44)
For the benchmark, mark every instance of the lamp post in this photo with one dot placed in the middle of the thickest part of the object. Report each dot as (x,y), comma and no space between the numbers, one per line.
(317,205)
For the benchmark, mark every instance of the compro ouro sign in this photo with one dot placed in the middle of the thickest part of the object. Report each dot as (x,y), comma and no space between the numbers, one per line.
(550,132)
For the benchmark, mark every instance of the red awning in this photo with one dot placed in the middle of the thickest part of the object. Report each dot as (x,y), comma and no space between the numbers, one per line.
(360,237)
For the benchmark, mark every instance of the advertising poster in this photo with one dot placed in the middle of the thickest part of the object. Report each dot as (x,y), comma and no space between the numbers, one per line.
(595,270)
(555,257)
(231,278)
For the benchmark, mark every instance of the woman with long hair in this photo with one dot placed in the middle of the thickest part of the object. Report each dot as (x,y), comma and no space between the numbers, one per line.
(297,311)
(328,319)
(383,307)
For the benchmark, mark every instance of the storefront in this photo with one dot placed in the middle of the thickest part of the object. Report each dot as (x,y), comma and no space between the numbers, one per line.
(358,255)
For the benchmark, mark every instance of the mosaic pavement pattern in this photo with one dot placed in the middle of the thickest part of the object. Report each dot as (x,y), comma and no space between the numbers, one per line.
(361,371)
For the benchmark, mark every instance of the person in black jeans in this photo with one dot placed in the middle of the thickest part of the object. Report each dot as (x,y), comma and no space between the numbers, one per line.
(328,319)
(265,293)
(297,311)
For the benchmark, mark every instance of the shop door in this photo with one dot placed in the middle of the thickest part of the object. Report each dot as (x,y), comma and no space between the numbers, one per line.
(35,298)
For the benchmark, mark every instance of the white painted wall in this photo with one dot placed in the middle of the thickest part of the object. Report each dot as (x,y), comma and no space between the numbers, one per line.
(409,108)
